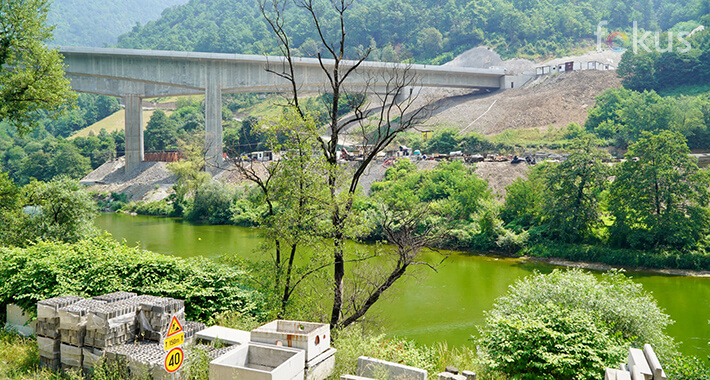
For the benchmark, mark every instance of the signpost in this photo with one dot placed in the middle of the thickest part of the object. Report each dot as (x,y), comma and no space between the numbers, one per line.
(172,342)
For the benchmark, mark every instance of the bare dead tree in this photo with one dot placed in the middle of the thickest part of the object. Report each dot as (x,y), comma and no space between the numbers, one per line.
(406,232)
(392,119)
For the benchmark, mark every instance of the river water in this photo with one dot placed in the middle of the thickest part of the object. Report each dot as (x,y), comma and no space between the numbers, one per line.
(428,307)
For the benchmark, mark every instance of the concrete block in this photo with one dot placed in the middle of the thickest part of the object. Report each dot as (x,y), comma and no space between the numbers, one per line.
(71,356)
(50,364)
(638,359)
(654,363)
(616,374)
(353,377)
(635,374)
(259,362)
(450,376)
(72,321)
(321,367)
(224,335)
(314,338)
(376,368)
(90,357)
(115,296)
(47,324)
(470,375)
(155,314)
(19,321)
(48,348)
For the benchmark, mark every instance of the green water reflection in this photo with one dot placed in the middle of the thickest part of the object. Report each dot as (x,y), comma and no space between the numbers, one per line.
(427,307)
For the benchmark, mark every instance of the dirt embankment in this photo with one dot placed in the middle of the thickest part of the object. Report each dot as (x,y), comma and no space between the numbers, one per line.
(551,100)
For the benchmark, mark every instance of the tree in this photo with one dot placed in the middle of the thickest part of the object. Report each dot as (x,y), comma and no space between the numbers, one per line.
(31,75)
(572,208)
(58,210)
(659,196)
(375,122)
(295,192)
(10,202)
(160,133)
(570,325)
(415,209)
(637,71)
(524,200)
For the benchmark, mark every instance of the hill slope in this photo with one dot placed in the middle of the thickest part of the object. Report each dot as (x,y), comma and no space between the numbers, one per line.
(426,30)
(99,23)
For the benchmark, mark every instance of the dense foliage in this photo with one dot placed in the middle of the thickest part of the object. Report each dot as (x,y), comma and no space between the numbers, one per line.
(101,265)
(94,23)
(657,201)
(396,30)
(621,116)
(570,325)
(659,196)
(59,210)
(31,75)
(668,66)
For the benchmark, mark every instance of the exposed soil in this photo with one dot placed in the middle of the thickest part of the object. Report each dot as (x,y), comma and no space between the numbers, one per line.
(551,100)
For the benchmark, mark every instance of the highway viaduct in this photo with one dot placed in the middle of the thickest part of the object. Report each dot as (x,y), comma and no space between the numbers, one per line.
(137,74)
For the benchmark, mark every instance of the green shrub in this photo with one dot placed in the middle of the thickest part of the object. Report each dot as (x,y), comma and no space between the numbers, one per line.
(212,203)
(682,367)
(155,208)
(100,265)
(569,325)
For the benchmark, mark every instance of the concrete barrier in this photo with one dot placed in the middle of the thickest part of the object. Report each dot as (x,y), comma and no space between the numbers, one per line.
(380,369)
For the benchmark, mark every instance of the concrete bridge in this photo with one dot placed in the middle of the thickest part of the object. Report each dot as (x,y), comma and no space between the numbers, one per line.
(137,74)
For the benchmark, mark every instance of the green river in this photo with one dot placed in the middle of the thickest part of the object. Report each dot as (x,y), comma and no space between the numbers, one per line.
(431,306)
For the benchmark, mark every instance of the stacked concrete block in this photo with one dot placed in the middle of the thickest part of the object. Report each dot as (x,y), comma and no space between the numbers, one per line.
(191,329)
(47,330)
(48,315)
(91,358)
(112,323)
(71,357)
(155,313)
(49,352)
(72,321)
(115,297)
(140,357)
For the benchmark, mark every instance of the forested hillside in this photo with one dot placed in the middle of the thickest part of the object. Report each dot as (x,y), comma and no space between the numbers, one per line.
(426,30)
(98,23)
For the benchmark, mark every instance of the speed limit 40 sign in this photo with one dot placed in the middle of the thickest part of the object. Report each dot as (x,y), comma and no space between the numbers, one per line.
(174,359)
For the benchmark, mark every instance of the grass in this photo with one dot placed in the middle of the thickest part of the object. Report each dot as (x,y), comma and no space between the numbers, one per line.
(687,90)
(354,342)
(19,358)
(550,137)
(113,122)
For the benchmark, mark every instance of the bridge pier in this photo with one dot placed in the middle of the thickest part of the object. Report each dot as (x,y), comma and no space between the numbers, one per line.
(134,131)
(213,123)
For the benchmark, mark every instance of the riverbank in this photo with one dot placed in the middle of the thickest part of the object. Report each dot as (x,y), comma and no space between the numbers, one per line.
(606,267)
(426,306)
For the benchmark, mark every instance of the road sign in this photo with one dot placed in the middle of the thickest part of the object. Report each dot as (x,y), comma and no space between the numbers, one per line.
(174,359)
(175,327)
(174,341)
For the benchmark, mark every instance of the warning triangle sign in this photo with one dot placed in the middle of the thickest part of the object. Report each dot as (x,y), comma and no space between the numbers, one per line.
(175,327)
